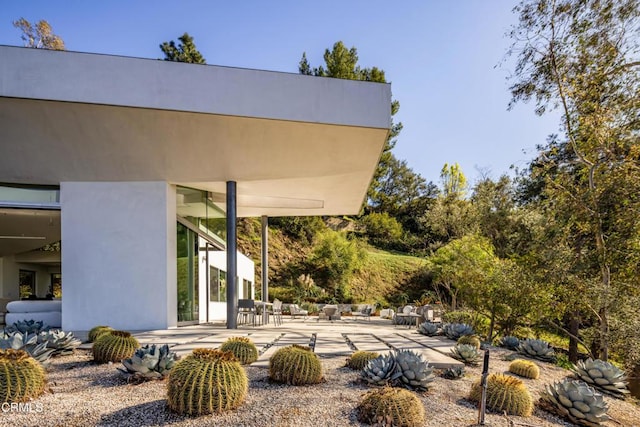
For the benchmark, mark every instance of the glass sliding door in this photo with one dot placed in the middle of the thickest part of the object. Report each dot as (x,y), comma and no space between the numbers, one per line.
(187,254)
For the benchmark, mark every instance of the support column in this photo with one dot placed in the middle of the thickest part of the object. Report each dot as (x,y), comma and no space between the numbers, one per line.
(265,266)
(232,257)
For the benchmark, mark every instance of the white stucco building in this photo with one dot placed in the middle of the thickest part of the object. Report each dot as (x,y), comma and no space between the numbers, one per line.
(141,167)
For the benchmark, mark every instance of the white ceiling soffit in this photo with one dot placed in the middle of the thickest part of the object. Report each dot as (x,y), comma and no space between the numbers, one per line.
(295,145)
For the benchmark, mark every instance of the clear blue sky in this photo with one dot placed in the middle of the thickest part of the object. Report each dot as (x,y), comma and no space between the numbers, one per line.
(442,58)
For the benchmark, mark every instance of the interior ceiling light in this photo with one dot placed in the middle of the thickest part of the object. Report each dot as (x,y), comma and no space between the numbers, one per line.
(23,237)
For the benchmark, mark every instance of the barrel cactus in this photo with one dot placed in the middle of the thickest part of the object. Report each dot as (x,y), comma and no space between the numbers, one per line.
(61,342)
(28,342)
(97,331)
(114,346)
(415,372)
(428,328)
(150,363)
(454,331)
(206,382)
(510,342)
(21,377)
(380,371)
(359,359)
(537,349)
(390,406)
(577,401)
(467,354)
(295,365)
(454,373)
(602,375)
(525,368)
(473,340)
(243,348)
(504,394)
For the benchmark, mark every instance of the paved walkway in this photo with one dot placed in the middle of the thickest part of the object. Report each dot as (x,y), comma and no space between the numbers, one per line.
(328,338)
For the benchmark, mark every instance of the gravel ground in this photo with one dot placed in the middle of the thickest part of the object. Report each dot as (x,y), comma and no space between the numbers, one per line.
(81,393)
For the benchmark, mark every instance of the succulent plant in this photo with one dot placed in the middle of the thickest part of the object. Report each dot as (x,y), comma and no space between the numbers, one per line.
(21,377)
(295,365)
(538,349)
(473,340)
(359,359)
(504,394)
(29,343)
(467,354)
(389,406)
(61,342)
(454,373)
(382,370)
(243,348)
(114,346)
(206,382)
(510,342)
(150,363)
(577,401)
(454,331)
(97,331)
(27,327)
(428,328)
(602,375)
(415,372)
(525,368)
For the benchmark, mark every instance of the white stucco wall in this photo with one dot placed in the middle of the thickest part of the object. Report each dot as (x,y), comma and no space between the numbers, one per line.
(119,255)
(218,259)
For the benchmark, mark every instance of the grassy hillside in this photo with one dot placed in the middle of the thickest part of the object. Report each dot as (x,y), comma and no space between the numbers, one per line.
(384,277)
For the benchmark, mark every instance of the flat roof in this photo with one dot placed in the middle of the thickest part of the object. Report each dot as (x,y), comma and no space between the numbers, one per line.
(295,144)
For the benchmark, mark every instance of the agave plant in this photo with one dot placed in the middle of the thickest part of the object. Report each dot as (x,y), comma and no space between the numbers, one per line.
(454,331)
(380,371)
(415,372)
(428,328)
(61,342)
(602,375)
(577,401)
(453,373)
(27,327)
(468,354)
(510,342)
(150,362)
(28,343)
(538,349)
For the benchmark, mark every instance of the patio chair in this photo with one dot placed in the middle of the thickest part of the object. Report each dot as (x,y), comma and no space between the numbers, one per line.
(246,311)
(297,311)
(276,312)
(365,313)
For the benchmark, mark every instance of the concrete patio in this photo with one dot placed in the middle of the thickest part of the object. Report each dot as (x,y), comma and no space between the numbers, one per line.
(338,338)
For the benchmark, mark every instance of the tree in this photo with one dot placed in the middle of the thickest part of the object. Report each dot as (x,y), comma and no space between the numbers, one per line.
(342,63)
(39,36)
(186,51)
(581,56)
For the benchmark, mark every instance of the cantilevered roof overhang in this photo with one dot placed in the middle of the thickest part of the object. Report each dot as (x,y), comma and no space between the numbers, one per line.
(295,145)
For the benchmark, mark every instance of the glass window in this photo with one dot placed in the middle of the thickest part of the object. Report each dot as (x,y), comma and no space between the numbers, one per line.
(29,194)
(199,208)
(27,284)
(247,286)
(55,288)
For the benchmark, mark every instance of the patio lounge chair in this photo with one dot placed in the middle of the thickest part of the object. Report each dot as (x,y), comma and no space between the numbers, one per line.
(297,311)
(365,313)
